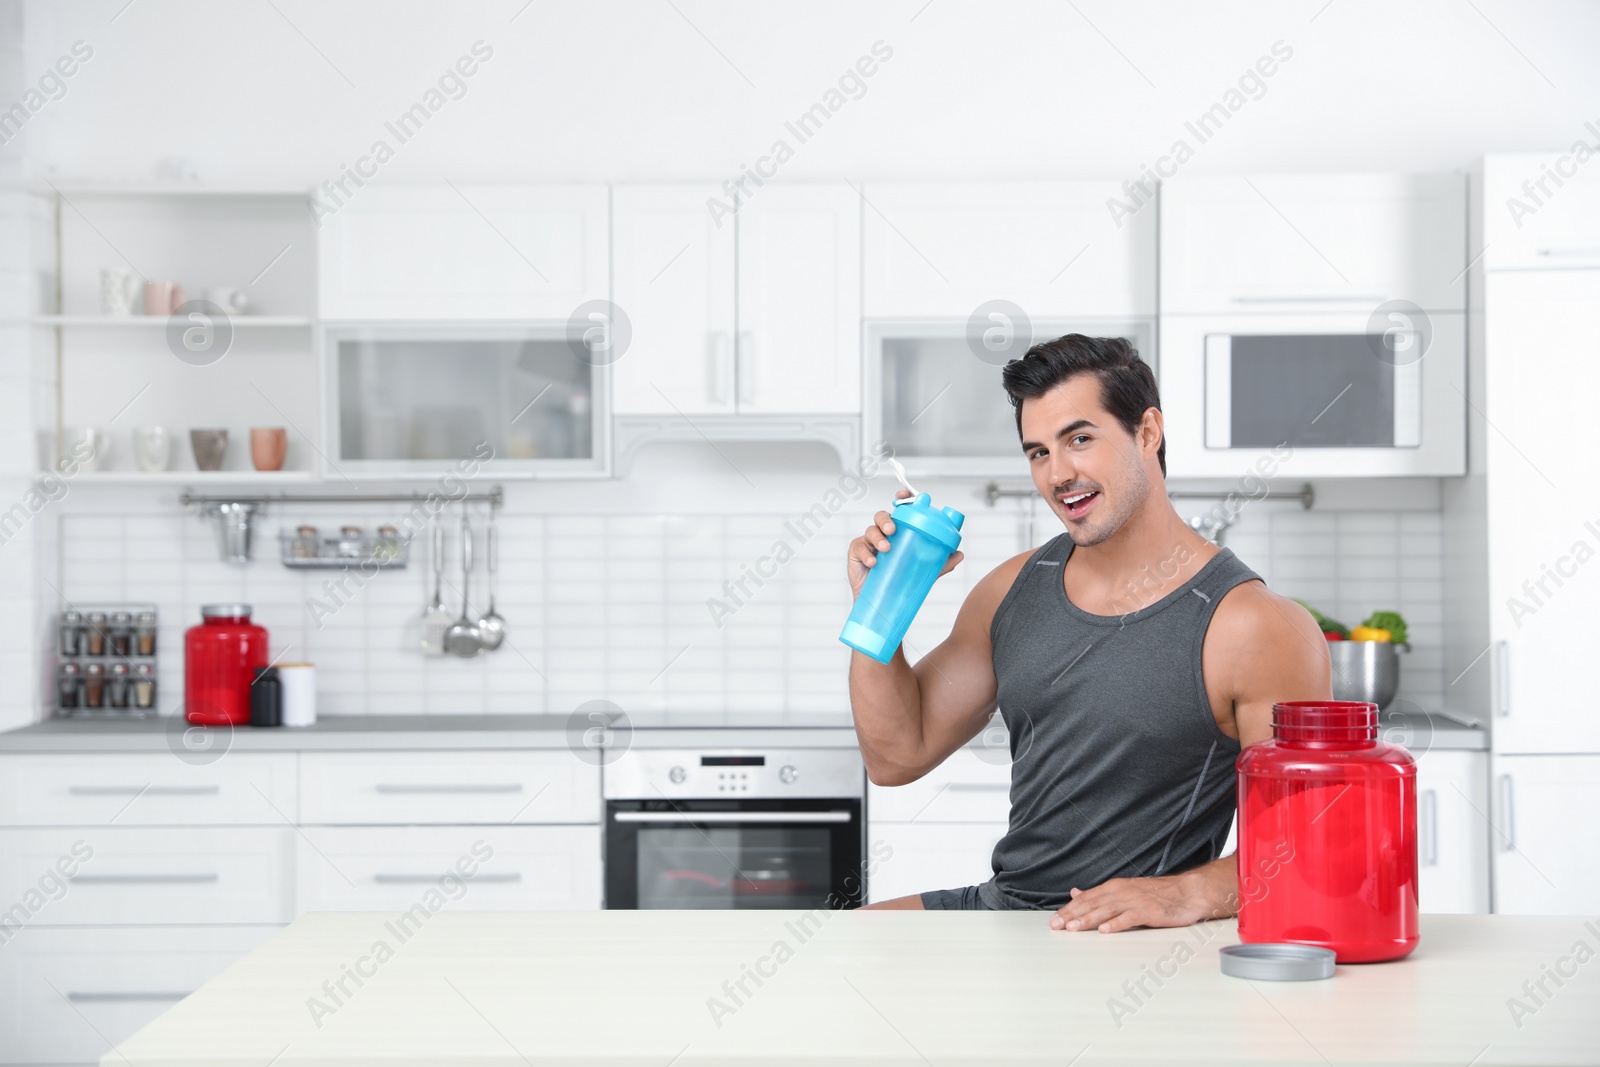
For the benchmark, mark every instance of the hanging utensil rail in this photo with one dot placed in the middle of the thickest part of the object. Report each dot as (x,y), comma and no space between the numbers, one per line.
(494,497)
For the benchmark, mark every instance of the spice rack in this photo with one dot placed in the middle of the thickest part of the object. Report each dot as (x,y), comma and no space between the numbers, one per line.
(106,661)
(306,547)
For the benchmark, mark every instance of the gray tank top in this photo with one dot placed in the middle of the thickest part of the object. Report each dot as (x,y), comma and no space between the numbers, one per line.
(1118,768)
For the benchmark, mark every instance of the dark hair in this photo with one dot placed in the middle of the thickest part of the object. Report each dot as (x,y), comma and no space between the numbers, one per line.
(1127,384)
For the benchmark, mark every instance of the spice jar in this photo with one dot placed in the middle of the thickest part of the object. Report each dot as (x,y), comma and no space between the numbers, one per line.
(305,542)
(95,635)
(145,640)
(121,634)
(69,686)
(117,686)
(144,686)
(388,546)
(94,685)
(219,657)
(72,633)
(350,542)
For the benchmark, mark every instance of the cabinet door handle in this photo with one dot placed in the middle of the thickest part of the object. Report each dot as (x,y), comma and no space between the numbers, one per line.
(746,369)
(719,366)
(979,787)
(1323,299)
(431,879)
(145,879)
(120,997)
(1573,250)
(1500,682)
(1428,813)
(145,790)
(409,788)
(1508,831)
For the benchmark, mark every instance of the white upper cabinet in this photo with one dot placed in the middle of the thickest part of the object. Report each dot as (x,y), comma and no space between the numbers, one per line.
(674,279)
(1543,591)
(1313,242)
(799,344)
(1055,249)
(1541,210)
(468,251)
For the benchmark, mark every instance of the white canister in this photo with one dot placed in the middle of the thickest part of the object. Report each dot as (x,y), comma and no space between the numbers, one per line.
(299,683)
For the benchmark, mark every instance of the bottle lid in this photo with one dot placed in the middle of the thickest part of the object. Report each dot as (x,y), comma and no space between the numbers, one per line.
(225,611)
(943,525)
(1277,961)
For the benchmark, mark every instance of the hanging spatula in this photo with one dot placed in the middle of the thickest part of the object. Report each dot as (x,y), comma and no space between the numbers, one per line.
(435,618)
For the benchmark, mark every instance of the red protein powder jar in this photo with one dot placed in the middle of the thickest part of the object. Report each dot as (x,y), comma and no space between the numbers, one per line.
(219,660)
(1328,834)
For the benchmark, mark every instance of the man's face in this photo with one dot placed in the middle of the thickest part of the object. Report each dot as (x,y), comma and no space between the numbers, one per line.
(1083,462)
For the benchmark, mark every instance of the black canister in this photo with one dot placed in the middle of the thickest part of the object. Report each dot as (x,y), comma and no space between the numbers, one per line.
(266,698)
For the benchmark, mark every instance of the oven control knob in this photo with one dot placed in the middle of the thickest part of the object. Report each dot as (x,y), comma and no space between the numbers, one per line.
(788,773)
(677,774)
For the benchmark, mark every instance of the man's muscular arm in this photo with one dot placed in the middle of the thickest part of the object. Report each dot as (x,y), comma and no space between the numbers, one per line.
(1260,648)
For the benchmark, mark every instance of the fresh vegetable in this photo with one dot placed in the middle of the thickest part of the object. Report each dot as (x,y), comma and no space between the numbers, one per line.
(1370,633)
(1391,621)
(1331,636)
(1327,625)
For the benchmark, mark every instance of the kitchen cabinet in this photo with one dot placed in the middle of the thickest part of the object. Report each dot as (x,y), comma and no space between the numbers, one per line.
(1545,858)
(673,276)
(1312,241)
(1542,211)
(1544,586)
(465,252)
(93,789)
(941,829)
(460,788)
(1452,834)
(755,313)
(940,249)
(68,995)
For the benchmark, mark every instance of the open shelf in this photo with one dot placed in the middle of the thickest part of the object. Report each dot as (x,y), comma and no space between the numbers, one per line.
(149,321)
(250,478)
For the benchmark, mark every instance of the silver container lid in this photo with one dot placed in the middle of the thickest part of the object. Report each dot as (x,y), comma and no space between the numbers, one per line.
(1277,962)
(224,611)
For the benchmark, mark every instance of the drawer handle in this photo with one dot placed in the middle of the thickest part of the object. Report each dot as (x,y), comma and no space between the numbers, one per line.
(122,998)
(1429,817)
(146,790)
(979,787)
(1308,299)
(145,879)
(431,879)
(464,787)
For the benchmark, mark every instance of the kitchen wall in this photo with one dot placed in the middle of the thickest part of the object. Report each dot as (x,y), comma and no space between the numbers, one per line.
(617,591)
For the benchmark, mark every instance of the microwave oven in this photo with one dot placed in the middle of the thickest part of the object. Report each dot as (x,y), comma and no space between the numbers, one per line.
(1327,394)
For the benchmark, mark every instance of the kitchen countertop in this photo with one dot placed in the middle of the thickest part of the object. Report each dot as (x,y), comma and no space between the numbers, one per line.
(647,730)
(658,988)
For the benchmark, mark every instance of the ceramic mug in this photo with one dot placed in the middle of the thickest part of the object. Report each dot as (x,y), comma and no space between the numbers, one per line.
(210,447)
(152,447)
(117,291)
(233,301)
(162,298)
(90,445)
(268,447)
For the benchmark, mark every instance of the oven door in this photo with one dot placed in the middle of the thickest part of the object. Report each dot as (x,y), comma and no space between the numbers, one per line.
(722,855)
(1318,394)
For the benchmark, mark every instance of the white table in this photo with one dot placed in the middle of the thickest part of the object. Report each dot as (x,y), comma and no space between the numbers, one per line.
(636,988)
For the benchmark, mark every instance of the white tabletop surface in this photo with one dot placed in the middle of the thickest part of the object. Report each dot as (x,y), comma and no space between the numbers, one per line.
(637,988)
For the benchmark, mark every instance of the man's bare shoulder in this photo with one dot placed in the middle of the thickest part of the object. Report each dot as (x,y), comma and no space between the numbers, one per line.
(1252,618)
(984,599)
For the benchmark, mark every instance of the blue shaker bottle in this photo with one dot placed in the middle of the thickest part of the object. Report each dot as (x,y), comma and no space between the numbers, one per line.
(923,539)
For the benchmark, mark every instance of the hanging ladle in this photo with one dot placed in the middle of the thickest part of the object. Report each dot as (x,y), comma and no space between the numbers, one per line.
(463,638)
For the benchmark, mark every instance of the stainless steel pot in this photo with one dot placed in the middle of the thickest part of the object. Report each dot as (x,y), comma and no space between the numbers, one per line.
(1365,670)
(234,523)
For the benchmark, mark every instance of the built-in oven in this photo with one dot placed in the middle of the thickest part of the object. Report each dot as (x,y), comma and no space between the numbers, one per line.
(1323,394)
(734,829)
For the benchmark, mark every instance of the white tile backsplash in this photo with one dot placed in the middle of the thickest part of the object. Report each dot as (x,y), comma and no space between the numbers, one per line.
(619,606)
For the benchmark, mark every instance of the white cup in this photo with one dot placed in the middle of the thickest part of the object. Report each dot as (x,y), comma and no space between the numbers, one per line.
(89,445)
(299,686)
(118,291)
(233,301)
(152,447)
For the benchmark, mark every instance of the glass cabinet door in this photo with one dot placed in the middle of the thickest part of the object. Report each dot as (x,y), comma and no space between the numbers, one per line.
(412,400)
(942,408)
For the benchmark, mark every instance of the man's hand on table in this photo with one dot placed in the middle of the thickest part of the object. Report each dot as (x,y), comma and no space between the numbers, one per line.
(1207,892)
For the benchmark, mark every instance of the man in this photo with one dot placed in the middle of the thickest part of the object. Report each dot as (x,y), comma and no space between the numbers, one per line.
(1130,658)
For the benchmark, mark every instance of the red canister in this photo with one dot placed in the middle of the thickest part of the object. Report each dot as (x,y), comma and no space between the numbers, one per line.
(1328,834)
(219,660)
